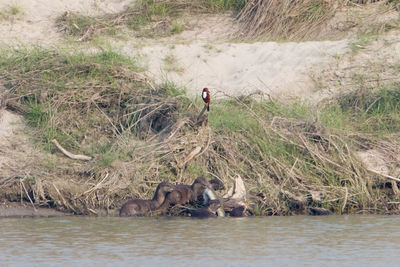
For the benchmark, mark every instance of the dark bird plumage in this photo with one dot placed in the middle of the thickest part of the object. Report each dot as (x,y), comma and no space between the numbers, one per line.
(206,98)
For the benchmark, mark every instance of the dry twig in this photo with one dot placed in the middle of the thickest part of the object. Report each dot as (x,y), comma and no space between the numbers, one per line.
(69,154)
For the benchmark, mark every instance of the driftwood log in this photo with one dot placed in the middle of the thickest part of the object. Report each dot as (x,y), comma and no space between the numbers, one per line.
(236,195)
(234,201)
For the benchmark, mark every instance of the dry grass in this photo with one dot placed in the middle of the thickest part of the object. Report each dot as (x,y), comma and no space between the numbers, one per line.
(140,134)
(259,20)
(100,105)
(293,163)
(147,18)
(313,19)
(287,19)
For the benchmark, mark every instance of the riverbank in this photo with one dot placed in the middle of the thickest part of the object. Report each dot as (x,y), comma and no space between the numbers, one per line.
(331,142)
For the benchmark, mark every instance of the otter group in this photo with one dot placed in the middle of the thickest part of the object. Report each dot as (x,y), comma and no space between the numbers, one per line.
(168,195)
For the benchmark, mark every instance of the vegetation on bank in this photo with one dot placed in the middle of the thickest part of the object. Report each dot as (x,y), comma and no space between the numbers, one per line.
(313,19)
(291,156)
(147,18)
(257,19)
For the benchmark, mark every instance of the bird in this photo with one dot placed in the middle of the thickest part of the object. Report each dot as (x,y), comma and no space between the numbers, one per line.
(206,98)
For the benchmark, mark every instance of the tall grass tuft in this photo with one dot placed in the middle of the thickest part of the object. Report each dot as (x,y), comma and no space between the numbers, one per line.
(286,19)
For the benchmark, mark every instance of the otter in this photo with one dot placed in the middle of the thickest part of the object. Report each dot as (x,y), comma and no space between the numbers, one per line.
(217,184)
(206,212)
(183,193)
(135,207)
(239,211)
(314,211)
(209,194)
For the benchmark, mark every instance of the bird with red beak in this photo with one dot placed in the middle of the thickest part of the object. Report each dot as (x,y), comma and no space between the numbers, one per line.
(206,98)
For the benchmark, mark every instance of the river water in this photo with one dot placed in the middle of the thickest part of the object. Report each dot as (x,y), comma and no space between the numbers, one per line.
(273,241)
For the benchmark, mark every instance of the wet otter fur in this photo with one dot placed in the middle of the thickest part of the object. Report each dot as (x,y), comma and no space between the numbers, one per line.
(206,212)
(239,211)
(217,184)
(136,207)
(183,193)
(314,211)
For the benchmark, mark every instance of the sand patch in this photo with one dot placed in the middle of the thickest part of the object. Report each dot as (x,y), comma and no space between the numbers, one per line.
(371,65)
(278,69)
(35,25)
(17,154)
(9,123)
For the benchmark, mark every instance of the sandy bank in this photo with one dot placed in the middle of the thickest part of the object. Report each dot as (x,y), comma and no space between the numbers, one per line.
(278,69)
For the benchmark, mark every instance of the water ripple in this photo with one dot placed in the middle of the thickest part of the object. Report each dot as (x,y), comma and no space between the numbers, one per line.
(289,241)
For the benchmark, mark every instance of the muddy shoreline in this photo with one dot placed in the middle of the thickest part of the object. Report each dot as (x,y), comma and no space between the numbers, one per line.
(25,210)
(22,210)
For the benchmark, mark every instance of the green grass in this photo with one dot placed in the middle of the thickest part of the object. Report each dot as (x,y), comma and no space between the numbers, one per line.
(248,123)
(366,110)
(172,89)
(223,5)
(228,116)
(37,116)
(176,28)
(40,117)
(258,149)
(76,98)
(60,83)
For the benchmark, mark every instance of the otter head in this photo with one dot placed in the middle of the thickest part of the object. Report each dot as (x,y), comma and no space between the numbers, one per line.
(166,186)
(199,185)
(217,184)
(203,182)
(163,188)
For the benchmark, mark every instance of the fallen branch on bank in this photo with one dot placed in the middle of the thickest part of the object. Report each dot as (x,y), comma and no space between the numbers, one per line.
(26,192)
(69,154)
(189,157)
(385,175)
(201,114)
(236,195)
(238,190)
(15,106)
